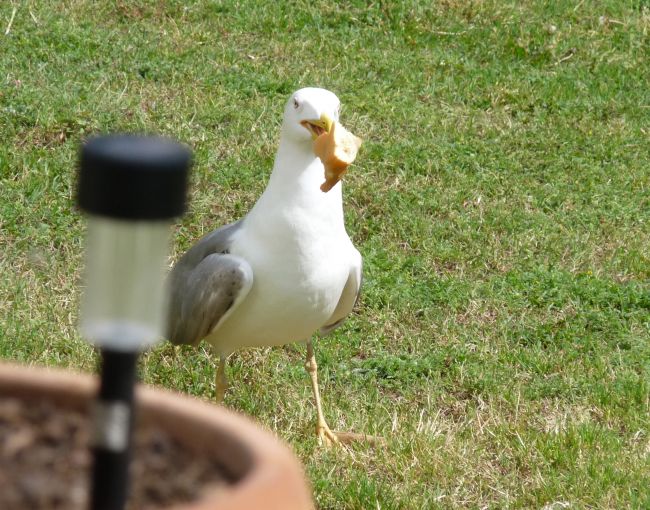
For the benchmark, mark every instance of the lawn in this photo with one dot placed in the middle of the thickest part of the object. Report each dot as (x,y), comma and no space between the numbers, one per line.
(501,202)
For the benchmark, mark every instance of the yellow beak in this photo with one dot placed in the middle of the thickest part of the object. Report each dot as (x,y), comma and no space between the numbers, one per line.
(318,127)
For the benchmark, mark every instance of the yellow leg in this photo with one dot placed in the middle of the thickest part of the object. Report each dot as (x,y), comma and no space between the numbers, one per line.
(325,434)
(221,381)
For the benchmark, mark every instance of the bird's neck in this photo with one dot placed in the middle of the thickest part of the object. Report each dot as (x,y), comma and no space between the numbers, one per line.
(296,179)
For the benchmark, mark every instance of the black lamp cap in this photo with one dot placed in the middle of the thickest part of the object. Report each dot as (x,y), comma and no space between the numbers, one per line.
(133,177)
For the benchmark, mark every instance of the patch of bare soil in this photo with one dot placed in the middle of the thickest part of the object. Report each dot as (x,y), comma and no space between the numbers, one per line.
(45,462)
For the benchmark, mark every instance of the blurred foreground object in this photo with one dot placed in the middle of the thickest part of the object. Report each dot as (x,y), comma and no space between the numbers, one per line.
(253,469)
(131,187)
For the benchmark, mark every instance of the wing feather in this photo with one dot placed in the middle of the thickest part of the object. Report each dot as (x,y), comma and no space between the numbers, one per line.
(206,285)
(349,297)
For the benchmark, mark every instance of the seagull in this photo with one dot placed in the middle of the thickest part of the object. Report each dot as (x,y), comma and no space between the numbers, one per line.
(283,272)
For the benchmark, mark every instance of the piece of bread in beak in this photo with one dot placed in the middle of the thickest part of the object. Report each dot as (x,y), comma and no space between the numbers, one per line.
(337,150)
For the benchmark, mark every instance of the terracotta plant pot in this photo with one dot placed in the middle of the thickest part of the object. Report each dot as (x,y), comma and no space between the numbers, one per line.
(267,474)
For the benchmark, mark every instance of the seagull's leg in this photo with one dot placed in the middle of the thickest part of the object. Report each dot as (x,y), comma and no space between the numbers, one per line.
(325,434)
(221,381)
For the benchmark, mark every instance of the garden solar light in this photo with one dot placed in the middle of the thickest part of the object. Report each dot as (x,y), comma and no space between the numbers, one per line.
(131,188)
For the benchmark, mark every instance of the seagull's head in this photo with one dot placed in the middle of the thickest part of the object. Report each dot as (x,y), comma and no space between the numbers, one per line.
(309,113)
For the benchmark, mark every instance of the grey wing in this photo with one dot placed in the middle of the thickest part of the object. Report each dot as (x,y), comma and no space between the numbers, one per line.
(206,285)
(349,297)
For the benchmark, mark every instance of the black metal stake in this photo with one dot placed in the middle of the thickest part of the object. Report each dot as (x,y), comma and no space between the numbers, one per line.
(112,425)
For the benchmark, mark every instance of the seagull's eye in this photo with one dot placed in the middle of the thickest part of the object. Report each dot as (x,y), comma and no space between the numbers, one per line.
(296,104)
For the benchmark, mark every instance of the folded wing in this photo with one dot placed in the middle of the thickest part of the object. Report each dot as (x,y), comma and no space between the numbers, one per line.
(206,285)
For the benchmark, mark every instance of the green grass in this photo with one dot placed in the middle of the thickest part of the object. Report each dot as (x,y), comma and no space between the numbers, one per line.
(501,203)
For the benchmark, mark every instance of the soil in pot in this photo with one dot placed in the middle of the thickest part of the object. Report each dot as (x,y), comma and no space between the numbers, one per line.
(45,462)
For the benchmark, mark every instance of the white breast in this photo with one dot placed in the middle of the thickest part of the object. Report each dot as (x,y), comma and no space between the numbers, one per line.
(295,242)
(298,280)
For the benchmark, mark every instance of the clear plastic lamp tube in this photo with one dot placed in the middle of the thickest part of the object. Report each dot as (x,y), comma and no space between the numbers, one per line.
(124,302)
